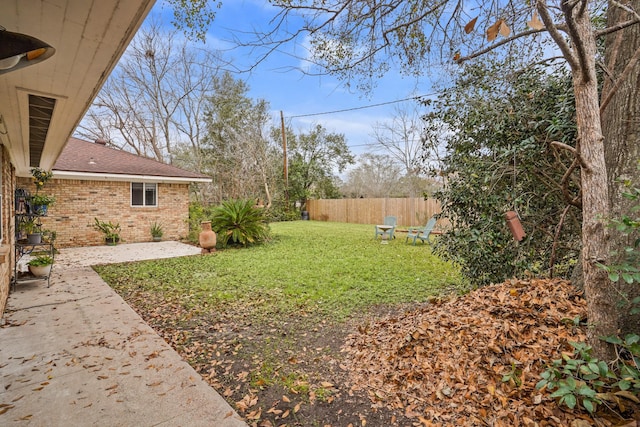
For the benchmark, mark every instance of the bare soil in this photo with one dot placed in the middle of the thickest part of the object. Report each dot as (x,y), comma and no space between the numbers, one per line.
(459,361)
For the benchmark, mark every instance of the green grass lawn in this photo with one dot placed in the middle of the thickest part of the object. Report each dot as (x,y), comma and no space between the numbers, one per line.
(332,268)
(269,321)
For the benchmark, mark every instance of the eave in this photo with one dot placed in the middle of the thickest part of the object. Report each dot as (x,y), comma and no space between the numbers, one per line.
(43,104)
(130,178)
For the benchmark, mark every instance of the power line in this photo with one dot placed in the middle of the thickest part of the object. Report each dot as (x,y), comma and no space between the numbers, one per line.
(363,107)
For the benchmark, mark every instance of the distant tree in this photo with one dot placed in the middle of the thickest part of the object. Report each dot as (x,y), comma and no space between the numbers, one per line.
(235,150)
(401,139)
(153,100)
(375,175)
(314,161)
(378,175)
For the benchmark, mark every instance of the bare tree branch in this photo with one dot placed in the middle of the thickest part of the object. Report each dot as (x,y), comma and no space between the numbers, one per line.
(616,84)
(502,42)
(617,27)
(554,32)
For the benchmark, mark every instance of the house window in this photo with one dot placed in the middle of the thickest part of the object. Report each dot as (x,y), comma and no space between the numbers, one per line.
(144,194)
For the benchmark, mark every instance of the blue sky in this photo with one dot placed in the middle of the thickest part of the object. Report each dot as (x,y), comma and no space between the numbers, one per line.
(294,93)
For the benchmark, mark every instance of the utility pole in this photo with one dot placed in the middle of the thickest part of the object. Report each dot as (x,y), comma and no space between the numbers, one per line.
(286,172)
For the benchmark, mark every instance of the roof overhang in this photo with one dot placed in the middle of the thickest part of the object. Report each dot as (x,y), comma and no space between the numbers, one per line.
(129,178)
(43,103)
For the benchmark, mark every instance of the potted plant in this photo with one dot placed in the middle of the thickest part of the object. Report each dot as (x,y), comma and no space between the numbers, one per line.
(110,230)
(156,231)
(40,266)
(40,203)
(40,177)
(49,236)
(31,228)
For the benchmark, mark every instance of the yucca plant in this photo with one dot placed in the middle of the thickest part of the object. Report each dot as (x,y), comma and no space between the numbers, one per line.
(240,222)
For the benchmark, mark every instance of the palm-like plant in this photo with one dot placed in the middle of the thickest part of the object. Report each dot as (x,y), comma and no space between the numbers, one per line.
(240,222)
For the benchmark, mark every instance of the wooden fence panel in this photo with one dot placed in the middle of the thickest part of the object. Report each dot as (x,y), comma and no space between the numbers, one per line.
(411,212)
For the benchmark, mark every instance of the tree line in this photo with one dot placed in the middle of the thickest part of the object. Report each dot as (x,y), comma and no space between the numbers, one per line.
(171,100)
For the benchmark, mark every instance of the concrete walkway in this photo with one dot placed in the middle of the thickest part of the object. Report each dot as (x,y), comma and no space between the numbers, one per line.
(76,354)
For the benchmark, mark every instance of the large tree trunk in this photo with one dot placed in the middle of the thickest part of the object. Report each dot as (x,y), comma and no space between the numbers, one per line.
(601,309)
(621,129)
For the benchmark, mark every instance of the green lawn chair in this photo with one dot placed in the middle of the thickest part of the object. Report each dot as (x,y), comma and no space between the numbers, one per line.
(421,233)
(387,234)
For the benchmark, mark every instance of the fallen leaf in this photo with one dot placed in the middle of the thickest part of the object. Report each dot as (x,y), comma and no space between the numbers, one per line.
(4,408)
(628,395)
(479,337)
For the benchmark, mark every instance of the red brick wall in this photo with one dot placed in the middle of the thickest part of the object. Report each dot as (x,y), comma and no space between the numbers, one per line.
(78,202)
(8,238)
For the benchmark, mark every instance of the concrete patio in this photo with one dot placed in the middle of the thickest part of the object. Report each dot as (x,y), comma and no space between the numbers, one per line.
(76,354)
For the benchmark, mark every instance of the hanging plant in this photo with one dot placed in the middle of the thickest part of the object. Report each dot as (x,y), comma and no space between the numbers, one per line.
(40,177)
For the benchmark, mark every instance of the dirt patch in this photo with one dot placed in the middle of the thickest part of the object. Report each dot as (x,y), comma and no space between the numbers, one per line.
(284,372)
(471,360)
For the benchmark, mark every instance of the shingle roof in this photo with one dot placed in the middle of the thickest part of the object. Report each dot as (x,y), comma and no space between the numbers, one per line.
(88,157)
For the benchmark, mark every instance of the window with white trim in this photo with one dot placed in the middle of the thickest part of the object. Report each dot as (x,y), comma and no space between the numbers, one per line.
(144,194)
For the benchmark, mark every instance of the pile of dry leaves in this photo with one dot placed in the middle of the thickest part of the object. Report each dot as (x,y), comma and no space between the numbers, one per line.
(472,360)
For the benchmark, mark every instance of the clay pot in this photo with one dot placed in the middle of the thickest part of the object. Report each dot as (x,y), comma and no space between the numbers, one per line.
(207,237)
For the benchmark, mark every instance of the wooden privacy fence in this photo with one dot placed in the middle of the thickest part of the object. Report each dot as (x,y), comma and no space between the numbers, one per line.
(411,212)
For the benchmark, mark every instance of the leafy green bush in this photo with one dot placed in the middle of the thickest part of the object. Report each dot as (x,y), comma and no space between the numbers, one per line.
(580,380)
(277,213)
(239,222)
(629,267)
(500,158)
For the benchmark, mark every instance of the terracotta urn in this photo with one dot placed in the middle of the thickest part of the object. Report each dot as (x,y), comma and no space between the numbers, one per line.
(207,237)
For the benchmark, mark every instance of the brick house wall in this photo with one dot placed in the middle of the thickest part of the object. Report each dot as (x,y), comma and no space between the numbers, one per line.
(78,202)
(8,236)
